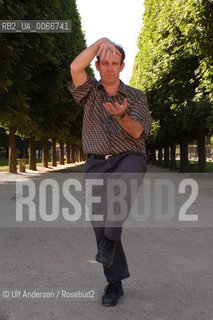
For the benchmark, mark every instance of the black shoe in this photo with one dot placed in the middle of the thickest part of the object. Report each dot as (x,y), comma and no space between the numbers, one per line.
(106,252)
(112,293)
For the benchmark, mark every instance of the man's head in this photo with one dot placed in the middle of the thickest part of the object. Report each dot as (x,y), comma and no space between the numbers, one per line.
(110,66)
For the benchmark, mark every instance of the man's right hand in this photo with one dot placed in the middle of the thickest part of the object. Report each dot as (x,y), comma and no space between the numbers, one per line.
(106,48)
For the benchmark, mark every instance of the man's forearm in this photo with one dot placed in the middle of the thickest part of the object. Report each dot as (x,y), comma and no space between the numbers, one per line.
(85,57)
(132,127)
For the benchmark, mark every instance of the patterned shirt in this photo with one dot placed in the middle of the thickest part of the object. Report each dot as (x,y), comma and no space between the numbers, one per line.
(102,134)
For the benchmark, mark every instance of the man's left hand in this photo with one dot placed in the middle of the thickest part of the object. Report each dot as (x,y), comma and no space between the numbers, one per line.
(116,109)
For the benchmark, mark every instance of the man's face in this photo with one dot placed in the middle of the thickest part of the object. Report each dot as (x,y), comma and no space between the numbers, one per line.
(110,68)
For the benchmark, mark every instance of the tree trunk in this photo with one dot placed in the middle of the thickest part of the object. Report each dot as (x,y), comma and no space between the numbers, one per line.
(12,150)
(78,154)
(160,156)
(75,154)
(32,153)
(61,156)
(166,157)
(153,157)
(201,150)
(7,153)
(72,154)
(172,157)
(53,152)
(68,153)
(184,161)
(45,152)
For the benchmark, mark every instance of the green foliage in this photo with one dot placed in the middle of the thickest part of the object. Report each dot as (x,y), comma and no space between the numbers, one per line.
(35,70)
(174,66)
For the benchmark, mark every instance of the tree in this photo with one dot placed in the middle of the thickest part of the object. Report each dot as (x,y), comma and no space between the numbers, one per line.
(34,101)
(171,68)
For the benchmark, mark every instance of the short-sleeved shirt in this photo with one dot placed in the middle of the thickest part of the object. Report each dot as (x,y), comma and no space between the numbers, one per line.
(102,133)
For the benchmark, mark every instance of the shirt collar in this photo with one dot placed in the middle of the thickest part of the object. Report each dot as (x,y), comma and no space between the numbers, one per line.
(121,89)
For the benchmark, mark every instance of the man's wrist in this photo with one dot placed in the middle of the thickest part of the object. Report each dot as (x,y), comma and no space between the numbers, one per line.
(121,116)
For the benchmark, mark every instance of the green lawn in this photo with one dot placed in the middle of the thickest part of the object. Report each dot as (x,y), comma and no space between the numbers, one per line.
(4,163)
(209,164)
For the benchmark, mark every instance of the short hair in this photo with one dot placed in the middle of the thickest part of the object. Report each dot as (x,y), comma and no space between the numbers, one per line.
(117,46)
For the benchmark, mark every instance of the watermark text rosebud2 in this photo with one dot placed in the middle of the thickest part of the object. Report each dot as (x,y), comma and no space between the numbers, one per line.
(72,200)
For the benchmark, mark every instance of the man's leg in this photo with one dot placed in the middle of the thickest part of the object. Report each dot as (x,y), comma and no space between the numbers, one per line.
(114,273)
(119,268)
(126,167)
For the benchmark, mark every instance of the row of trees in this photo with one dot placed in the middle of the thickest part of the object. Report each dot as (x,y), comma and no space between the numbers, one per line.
(34,73)
(174,68)
(56,152)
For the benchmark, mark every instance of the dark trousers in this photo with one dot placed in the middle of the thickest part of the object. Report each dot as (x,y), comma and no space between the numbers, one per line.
(126,165)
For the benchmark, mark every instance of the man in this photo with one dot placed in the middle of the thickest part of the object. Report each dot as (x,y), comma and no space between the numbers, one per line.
(115,125)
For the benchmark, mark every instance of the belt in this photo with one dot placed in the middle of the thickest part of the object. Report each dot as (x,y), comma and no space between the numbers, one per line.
(98,156)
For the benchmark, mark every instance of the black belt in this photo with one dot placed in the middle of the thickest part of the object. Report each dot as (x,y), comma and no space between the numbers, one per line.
(98,156)
(106,156)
